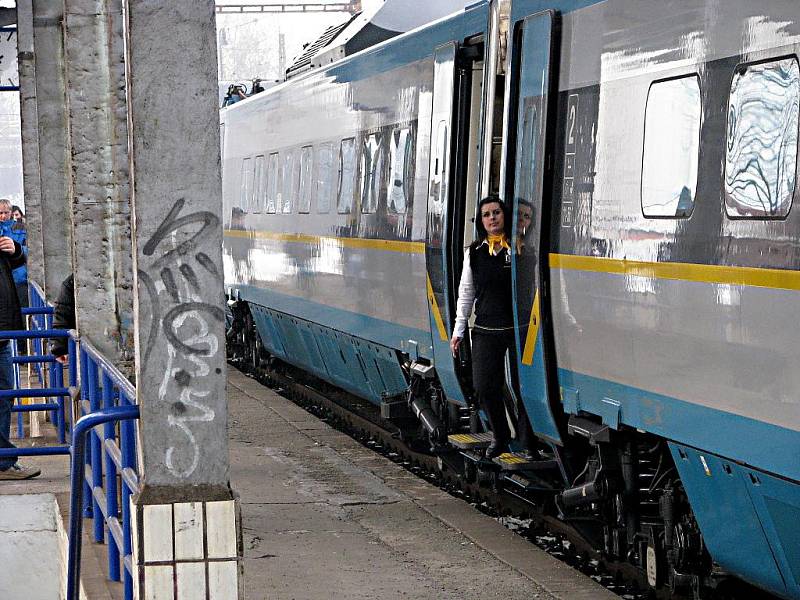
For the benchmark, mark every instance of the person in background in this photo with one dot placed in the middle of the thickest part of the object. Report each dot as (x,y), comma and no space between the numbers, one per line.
(14,229)
(17,214)
(63,318)
(11,256)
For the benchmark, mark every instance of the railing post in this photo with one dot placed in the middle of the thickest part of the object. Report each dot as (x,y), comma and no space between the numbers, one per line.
(58,382)
(112,509)
(128,449)
(95,451)
(87,490)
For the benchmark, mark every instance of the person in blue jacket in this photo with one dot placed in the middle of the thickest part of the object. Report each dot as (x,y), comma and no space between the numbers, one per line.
(9,227)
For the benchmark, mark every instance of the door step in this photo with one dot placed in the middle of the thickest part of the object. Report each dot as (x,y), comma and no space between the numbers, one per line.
(471,441)
(511,461)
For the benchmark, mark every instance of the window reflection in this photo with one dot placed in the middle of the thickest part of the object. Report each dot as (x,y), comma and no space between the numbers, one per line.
(347,171)
(324,177)
(306,164)
(274,183)
(671,148)
(401,162)
(371,171)
(761,156)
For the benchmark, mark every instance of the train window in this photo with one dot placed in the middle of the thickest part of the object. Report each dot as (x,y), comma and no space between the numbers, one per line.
(246,189)
(273,183)
(371,173)
(306,171)
(761,153)
(671,147)
(291,181)
(347,172)
(324,176)
(400,172)
(260,184)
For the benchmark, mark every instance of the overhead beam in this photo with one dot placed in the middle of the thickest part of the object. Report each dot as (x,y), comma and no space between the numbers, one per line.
(348,7)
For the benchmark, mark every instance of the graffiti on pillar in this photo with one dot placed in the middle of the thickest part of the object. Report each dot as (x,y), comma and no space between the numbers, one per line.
(180,317)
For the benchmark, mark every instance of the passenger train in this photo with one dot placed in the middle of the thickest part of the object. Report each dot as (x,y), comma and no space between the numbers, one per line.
(658,325)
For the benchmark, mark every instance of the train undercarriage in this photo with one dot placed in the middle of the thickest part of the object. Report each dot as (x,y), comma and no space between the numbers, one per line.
(617,490)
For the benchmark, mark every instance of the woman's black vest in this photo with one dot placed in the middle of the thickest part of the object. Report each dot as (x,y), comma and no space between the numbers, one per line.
(491,276)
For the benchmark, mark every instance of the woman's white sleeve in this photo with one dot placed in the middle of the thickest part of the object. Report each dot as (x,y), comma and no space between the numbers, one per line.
(466,298)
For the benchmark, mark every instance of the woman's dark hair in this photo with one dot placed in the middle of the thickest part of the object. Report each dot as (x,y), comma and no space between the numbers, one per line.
(15,208)
(491,199)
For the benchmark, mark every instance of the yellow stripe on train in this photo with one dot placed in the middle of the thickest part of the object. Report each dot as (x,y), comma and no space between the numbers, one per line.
(344,242)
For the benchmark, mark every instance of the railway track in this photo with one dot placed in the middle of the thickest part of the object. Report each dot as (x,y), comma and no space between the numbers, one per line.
(361,420)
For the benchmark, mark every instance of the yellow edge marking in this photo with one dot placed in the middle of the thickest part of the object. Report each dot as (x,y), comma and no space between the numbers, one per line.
(300,238)
(437,316)
(533,332)
(739,276)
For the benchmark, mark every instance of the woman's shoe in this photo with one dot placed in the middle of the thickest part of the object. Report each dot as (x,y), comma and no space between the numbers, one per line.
(495,449)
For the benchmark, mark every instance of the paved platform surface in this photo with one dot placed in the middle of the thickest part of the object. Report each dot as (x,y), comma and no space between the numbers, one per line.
(326,518)
(29,547)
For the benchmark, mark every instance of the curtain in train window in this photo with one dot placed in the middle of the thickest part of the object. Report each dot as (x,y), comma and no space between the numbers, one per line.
(291,181)
(347,172)
(306,184)
(371,173)
(274,184)
(261,185)
(324,177)
(761,152)
(246,187)
(400,163)
(671,148)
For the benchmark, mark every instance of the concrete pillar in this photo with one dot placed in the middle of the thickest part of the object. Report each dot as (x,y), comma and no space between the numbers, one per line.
(99,191)
(31,178)
(53,146)
(186,537)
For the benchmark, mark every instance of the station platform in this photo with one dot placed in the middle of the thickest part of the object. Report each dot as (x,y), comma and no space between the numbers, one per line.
(324,518)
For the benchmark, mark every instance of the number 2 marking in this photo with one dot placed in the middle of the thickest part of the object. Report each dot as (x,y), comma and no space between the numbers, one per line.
(572,114)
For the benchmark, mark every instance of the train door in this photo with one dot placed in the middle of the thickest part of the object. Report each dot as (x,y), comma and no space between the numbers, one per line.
(531,92)
(453,163)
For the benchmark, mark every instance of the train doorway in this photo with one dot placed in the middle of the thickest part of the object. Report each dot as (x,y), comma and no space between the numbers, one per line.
(452,197)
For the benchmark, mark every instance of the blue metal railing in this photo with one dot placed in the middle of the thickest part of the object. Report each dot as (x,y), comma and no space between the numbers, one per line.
(103,467)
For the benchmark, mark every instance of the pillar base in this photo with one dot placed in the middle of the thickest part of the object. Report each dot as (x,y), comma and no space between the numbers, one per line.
(187,550)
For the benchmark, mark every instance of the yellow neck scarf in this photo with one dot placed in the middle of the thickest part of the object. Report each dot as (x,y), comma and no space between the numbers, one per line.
(498,242)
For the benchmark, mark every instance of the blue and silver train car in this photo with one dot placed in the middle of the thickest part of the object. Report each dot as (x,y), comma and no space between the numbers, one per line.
(659,320)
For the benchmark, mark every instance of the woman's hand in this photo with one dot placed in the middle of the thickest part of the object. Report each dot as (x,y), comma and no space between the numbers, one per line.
(455,342)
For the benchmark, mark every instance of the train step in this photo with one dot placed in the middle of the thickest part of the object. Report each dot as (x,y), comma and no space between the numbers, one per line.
(528,482)
(470,441)
(513,461)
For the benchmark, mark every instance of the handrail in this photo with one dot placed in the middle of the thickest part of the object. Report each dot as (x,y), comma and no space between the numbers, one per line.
(77,477)
(103,467)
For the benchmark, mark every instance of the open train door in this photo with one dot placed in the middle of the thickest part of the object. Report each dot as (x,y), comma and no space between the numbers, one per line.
(440,218)
(532,90)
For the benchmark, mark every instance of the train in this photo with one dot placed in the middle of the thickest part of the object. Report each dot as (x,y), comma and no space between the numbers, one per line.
(658,324)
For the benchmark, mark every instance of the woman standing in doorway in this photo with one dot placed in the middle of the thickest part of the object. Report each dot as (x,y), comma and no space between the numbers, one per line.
(486,285)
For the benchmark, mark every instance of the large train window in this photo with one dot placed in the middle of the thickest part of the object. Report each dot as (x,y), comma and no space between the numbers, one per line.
(761,151)
(371,170)
(291,181)
(246,187)
(324,176)
(306,187)
(347,172)
(260,184)
(671,147)
(400,162)
(274,183)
